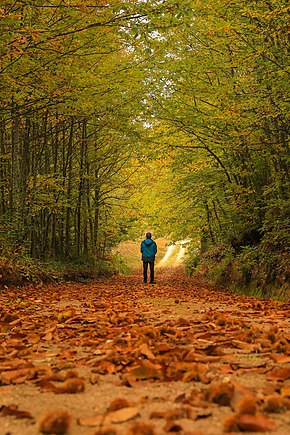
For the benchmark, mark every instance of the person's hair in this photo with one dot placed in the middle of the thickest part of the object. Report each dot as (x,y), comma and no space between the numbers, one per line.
(148,235)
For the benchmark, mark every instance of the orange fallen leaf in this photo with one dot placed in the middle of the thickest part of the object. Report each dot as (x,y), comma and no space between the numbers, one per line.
(57,422)
(146,370)
(71,386)
(105,367)
(47,386)
(65,315)
(192,356)
(122,415)
(171,426)
(176,414)
(16,376)
(15,322)
(280,359)
(141,429)
(144,349)
(163,348)
(248,423)
(242,345)
(94,378)
(48,336)
(157,414)
(279,374)
(95,420)
(118,404)
(222,393)
(236,365)
(255,423)
(193,372)
(10,410)
(285,391)
(119,416)
(276,404)
(243,399)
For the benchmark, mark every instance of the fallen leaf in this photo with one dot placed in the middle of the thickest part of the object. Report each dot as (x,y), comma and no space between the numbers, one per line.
(119,416)
(157,414)
(276,404)
(195,372)
(280,359)
(285,391)
(247,364)
(122,415)
(255,423)
(71,386)
(163,348)
(221,394)
(16,376)
(48,336)
(201,414)
(141,429)
(146,370)
(176,414)
(95,420)
(56,422)
(144,349)
(248,423)
(171,426)
(94,378)
(10,410)
(243,399)
(279,374)
(192,356)
(15,322)
(118,404)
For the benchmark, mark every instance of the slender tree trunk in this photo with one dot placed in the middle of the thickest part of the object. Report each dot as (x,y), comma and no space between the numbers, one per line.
(69,190)
(16,199)
(208,219)
(80,189)
(54,144)
(33,173)
(46,171)
(2,169)
(25,170)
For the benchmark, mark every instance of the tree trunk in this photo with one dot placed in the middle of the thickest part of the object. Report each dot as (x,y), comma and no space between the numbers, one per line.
(68,175)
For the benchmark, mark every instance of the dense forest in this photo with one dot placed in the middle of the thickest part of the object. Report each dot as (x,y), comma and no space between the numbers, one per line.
(118,116)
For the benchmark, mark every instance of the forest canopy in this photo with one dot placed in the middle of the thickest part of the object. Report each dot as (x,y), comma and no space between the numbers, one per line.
(118,115)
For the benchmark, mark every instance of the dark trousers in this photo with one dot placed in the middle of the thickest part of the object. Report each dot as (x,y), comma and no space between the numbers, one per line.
(145,269)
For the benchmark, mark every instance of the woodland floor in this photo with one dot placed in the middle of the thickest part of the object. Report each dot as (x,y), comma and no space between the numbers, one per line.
(177,356)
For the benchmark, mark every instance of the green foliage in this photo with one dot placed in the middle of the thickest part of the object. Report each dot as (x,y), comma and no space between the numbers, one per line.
(67,126)
(224,80)
(255,271)
(171,116)
(192,260)
(120,264)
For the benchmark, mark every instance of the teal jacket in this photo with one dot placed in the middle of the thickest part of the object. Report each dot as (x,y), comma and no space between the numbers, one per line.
(148,250)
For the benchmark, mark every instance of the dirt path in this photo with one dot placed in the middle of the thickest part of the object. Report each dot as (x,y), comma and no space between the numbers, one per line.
(174,255)
(180,356)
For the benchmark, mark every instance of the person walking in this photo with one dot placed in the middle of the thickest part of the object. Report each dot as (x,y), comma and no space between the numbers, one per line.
(148,251)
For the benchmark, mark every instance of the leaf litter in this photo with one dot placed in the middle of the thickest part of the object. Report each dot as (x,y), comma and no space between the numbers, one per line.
(119,357)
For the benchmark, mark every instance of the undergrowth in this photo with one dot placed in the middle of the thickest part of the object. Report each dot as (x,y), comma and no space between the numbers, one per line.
(19,270)
(253,271)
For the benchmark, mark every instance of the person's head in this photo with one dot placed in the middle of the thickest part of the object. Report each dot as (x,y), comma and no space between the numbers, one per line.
(148,235)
